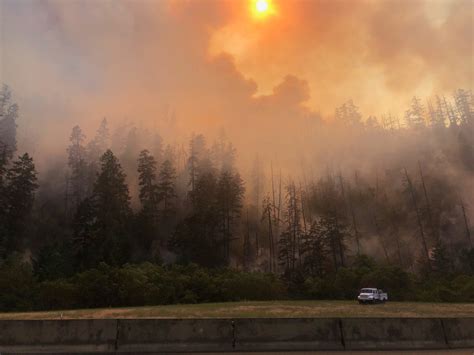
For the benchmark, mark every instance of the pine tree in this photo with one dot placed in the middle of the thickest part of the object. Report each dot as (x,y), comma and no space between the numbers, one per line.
(223,154)
(267,213)
(314,250)
(348,114)
(335,233)
(113,211)
(197,237)
(230,192)
(19,197)
(290,240)
(8,116)
(78,165)
(450,113)
(100,143)
(464,106)
(166,189)
(147,219)
(147,180)
(285,252)
(439,114)
(86,239)
(197,151)
(415,116)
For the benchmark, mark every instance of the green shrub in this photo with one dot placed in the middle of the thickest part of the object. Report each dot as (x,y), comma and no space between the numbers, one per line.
(58,294)
(17,285)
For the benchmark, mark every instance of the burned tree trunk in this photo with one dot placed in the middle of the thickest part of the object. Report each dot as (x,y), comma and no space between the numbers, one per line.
(466,224)
(351,211)
(428,207)
(418,218)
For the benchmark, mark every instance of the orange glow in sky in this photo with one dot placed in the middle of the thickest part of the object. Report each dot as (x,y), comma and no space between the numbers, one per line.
(262,8)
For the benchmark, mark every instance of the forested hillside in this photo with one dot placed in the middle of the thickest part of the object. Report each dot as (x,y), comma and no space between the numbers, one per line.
(375,201)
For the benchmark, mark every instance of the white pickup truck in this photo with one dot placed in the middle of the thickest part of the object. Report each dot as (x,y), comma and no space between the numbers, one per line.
(372,295)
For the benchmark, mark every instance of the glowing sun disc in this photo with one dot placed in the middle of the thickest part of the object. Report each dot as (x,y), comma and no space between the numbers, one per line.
(261,6)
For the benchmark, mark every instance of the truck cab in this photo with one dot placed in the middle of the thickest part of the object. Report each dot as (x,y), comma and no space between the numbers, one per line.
(372,295)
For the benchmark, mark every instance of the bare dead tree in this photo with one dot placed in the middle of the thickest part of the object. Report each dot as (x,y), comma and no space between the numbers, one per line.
(303,214)
(381,239)
(267,215)
(428,206)
(418,217)
(466,224)
(351,211)
(247,244)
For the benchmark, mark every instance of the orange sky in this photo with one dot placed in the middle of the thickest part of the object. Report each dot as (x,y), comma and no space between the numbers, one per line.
(218,67)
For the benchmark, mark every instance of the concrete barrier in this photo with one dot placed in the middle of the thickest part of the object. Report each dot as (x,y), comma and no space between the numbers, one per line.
(459,332)
(57,335)
(219,335)
(288,334)
(161,335)
(393,333)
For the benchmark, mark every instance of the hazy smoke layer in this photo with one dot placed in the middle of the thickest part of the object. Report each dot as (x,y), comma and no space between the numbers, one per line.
(215,68)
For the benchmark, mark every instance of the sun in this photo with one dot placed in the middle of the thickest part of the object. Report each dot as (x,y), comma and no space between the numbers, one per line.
(261,6)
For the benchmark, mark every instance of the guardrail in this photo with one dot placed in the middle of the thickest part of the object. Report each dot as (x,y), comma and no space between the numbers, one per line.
(241,334)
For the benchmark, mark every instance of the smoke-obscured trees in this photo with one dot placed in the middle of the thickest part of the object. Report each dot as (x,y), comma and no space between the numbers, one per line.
(18,198)
(104,219)
(8,116)
(77,162)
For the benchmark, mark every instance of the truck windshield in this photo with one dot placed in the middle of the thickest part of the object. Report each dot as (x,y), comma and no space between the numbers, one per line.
(366,290)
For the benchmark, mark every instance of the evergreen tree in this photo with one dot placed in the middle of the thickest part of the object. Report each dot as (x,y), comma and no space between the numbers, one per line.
(415,116)
(223,154)
(166,189)
(230,192)
(113,211)
(147,180)
(196,238)
(464,106)
(290,240)
(348,114)
(315,250)
(100,143)
(78,165)
(19,197)
(86,239)
(335,233)
(267,218)
(450,113)
(8,116)
(438,117)
(197,152)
